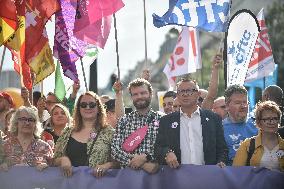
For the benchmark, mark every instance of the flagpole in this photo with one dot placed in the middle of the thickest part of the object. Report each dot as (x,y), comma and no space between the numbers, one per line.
(116,47)
(2,60)
(21,71)
(145,34)
(84,74)
(41,88)
(225,59)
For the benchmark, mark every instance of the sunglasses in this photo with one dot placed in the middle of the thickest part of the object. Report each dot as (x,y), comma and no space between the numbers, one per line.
(91,105)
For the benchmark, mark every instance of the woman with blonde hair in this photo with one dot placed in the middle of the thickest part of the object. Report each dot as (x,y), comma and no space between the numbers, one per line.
(267,148)
(88,142)
(60,118)
(24,146)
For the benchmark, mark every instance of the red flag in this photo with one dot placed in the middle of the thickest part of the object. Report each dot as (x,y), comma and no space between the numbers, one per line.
(37,14)
(29,44)
(16,44)
(262,62)
(8,20)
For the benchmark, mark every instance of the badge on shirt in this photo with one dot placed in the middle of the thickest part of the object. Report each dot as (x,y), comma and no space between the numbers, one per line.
(174,125)
(280,153)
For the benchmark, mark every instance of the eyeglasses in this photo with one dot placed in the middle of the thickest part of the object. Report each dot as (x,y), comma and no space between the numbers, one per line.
(271,120)
(25,119)
(186,91)
(91,105)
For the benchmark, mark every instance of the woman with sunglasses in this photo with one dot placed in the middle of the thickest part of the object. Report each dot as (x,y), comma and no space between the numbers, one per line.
(267,148)
(24,146)
(88,142)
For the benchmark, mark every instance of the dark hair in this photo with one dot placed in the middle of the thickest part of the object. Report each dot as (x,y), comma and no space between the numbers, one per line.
(274,93)
(140,82)
(110,105)
(127,110)
(36,96)
(170,94)
(234,89)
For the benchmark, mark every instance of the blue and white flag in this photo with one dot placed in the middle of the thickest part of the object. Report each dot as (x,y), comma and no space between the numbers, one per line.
(208,15)
(241,38)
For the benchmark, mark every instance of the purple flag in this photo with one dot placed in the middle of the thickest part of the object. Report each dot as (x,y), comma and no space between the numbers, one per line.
(67,48)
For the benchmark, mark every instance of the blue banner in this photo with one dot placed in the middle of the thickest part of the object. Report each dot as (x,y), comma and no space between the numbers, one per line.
(186,177)
(207,15)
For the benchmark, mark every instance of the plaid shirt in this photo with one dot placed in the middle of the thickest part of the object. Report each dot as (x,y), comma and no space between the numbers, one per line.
(126,126)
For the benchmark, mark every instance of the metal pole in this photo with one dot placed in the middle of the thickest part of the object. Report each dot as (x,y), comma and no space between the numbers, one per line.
(145,34)
(84,74)
(2,60)
(116,47)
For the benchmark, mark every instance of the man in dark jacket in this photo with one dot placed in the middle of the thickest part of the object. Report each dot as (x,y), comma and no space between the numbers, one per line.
(192,135)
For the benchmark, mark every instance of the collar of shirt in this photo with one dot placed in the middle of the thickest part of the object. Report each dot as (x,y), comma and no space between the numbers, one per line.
(228,120)
(149,113)
(196,112)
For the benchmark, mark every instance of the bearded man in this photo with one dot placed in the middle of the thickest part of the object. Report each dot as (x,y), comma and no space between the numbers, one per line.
(237,125)
(142,125)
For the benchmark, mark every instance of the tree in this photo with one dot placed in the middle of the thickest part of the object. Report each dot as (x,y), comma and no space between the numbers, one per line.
(275,24)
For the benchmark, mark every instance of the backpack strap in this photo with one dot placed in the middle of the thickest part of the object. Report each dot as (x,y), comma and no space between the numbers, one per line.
(251,150)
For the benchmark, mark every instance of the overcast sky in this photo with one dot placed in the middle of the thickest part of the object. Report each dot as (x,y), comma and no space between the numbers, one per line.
(130,28)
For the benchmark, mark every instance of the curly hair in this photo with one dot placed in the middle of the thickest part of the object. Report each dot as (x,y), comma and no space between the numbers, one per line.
(234,89)
(66,112)
(33,113)
(266,105)
(140,82)
(101,117)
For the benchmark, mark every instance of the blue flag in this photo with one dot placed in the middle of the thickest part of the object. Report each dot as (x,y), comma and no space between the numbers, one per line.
(208,15)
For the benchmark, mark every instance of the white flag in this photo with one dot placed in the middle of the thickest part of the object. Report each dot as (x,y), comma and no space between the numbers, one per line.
(242,35)
(262,62)
(186,57)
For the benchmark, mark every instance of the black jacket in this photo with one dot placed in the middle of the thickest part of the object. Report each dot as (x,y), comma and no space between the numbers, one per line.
(214,145)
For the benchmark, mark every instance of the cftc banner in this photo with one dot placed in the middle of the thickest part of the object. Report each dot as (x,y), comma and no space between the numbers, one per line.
(186,177)
(241,38)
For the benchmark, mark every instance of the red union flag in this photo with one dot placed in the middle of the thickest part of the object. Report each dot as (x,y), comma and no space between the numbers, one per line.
(262,62)
(8,20)
(186,57)
(39,54)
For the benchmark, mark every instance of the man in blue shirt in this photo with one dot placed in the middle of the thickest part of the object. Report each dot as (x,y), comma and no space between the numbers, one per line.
(237,125)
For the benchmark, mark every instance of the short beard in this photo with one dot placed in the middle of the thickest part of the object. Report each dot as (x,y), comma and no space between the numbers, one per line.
(142,106)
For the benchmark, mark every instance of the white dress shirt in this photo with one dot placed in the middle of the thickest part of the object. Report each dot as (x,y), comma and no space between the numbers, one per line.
(191,139)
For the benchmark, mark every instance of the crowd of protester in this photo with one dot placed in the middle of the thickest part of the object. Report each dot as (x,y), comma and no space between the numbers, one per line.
(197,127)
